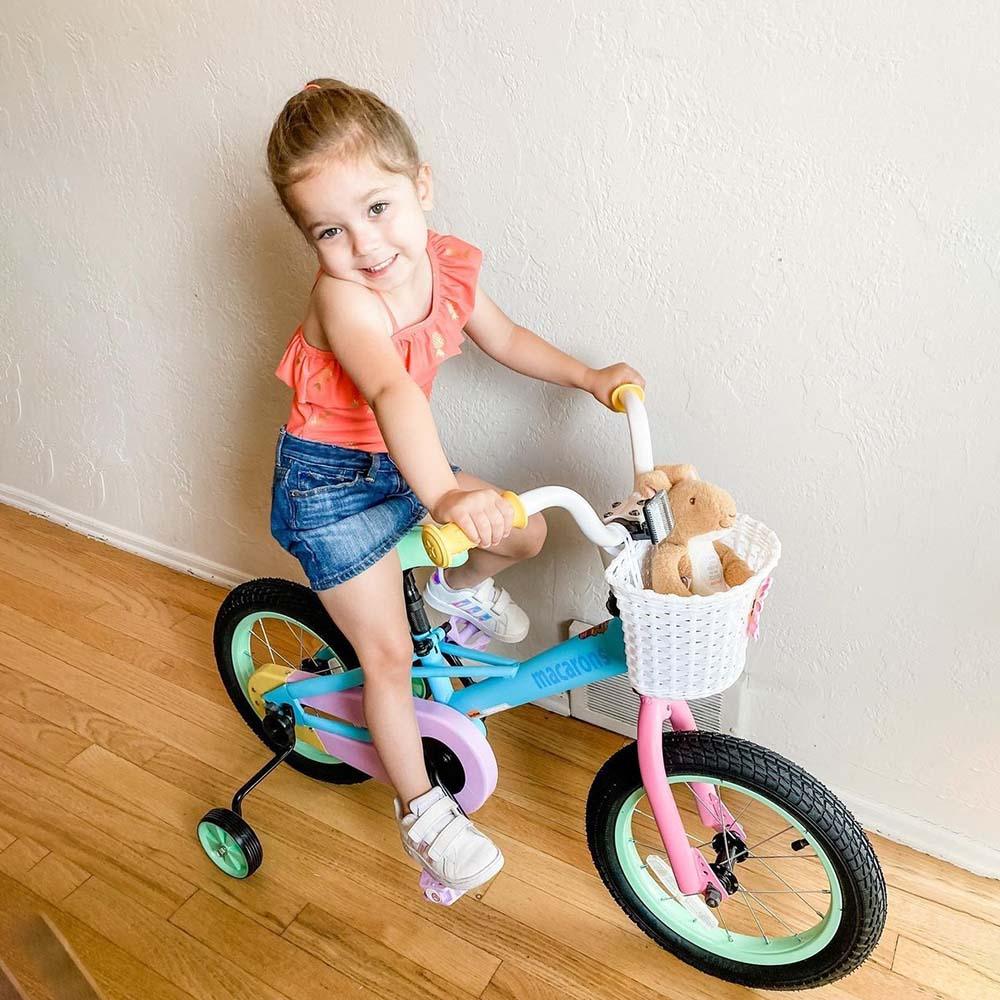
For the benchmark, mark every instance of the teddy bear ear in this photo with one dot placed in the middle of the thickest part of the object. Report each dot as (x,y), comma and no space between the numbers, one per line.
(675,473)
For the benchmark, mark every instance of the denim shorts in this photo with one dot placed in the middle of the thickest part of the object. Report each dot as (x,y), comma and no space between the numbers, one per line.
(338,510)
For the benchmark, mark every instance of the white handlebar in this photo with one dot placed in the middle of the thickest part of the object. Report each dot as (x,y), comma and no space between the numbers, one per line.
(638,428)
(608,536)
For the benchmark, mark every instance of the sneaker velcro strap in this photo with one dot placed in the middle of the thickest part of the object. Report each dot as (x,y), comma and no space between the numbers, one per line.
(500,605)
(443,840)
(431,817)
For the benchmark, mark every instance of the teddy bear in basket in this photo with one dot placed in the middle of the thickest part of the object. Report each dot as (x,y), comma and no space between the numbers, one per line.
(690,559)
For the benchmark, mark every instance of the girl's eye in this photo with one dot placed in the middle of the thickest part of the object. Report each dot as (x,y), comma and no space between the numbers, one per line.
(328,234)
(379,207)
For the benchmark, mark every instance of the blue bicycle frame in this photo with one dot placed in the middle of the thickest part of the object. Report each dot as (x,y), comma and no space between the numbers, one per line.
(590,656)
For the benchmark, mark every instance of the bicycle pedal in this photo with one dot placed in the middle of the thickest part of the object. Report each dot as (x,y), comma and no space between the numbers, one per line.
(464,633)
(438,892)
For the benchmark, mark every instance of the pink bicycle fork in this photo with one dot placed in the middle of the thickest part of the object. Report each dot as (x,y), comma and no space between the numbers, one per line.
(691,870)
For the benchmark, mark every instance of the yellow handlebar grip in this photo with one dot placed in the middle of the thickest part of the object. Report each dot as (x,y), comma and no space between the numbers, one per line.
(520,514)
(616,396)
(443,542)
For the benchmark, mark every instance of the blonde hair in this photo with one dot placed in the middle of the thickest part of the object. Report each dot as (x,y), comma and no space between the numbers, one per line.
(329,118)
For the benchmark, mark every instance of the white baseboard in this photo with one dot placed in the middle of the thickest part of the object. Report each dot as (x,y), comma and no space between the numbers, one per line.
(183,562)
(948,845)
(912,831)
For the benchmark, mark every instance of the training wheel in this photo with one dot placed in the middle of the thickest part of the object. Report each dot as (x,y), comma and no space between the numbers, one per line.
(438,892)
(230,843)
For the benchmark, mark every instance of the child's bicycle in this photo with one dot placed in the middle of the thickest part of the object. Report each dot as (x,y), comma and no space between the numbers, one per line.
(724,852)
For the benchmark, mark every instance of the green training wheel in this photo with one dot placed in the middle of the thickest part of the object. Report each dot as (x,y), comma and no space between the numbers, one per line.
(230,842)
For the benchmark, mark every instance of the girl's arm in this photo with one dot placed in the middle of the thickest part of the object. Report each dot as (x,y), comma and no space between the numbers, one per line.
(354,327)
(522,351)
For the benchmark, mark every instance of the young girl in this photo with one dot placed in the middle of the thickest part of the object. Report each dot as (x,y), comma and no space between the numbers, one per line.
(359,461)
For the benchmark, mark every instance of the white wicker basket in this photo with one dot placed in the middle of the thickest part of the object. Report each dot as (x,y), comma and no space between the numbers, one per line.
(689,647)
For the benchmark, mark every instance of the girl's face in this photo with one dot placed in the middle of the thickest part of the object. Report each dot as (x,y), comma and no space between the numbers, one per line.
(366,224)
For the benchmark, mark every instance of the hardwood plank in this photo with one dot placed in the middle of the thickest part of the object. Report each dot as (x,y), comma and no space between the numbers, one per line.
(266,956)
(30,579)
(175,955)
(970,940)
(37,735)
(91,724)
(511,982)
(942,973)
(62,549)
(153,633)
(197,627)
(384,970)
(874,982)
(21,856)
(54,877)
(938,881)
(88,828)
(57,958)
(885,949)
(636,957)
(33,598)
(109,684)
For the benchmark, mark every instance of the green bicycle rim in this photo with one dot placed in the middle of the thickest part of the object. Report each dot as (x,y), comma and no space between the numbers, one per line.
(242,660)
(244,666)
(223,850)
(746,948)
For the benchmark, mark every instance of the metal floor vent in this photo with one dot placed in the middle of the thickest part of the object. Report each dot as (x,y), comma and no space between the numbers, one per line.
(612,704)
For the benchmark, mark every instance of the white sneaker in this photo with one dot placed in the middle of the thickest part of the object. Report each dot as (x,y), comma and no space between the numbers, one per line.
(487,606)
(441,837)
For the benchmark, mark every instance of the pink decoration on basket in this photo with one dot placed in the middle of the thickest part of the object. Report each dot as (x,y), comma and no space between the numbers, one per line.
(464,633)
(754,620)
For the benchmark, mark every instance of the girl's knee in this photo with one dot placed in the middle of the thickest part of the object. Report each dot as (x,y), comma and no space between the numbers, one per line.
(386,656)
(532,536)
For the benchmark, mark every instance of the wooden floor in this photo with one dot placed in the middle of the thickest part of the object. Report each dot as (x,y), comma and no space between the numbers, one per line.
(115,737)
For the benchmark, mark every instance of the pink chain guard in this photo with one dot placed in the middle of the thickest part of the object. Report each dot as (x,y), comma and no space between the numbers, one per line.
(457,732)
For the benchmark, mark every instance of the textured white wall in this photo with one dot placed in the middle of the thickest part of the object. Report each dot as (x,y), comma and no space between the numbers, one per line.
(784,213)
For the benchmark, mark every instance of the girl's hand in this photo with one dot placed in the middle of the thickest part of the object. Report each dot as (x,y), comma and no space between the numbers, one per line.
(483,515)
(601,382)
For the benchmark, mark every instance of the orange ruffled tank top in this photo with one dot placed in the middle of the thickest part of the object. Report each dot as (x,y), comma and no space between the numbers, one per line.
(327,406)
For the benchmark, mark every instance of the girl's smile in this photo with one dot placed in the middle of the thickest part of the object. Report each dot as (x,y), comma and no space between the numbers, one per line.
(380,269)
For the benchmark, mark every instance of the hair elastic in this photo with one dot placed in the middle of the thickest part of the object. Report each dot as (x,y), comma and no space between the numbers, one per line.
(314,86)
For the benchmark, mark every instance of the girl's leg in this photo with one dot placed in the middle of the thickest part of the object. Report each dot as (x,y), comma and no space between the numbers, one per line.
(521,543)
(369,610)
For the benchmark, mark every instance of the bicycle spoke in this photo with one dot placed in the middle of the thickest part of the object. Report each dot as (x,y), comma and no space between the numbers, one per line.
(690,836)
(724,927)
(766,839)
(786,892)
(297,638)
(785,857)
(270,648)
(754,915)
(725,839)
(764,906)
(787,886)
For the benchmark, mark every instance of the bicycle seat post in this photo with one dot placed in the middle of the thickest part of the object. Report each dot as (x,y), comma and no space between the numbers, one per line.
(416,613)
